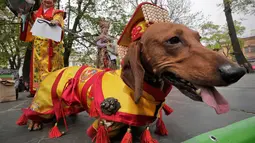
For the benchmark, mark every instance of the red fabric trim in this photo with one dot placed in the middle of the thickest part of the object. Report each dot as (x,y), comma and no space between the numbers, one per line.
(55,100)
(23,34)
(91,132)
(167,88)
(156,92)
(85,89)
(130,119)
(50,51)
(48,15)
(70,93)
(36,116)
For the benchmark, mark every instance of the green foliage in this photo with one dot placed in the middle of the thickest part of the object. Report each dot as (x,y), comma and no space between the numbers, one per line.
(87,20)
(243,6)
(12,49)
(216,37)
(84,17)
(180,12)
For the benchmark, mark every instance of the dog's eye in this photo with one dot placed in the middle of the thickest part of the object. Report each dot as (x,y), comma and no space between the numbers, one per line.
(173,40)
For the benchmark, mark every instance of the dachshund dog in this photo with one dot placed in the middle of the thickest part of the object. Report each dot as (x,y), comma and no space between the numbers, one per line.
(166,54)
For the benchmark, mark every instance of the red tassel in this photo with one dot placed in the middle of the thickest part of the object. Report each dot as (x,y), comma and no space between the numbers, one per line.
(93,110)
(102,134)
(168,110)
(54,132)
(22,120)
(128,137)
(161,128)
(91,132)
(147,138)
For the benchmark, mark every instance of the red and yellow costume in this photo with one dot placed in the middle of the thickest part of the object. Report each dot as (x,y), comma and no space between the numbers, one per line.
(47,55)
(75,89)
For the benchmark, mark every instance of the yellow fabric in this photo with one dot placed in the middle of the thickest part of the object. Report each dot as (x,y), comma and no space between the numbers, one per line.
(112,86)
(42,101)
(60,18)
(85,76)
(41,56)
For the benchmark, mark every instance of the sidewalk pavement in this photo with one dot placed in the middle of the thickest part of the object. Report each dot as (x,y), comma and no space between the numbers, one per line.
(189,118)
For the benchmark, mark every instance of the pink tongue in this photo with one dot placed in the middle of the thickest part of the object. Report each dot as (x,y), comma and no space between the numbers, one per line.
(214,99)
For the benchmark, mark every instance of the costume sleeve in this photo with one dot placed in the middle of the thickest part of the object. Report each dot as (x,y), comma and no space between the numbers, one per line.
(60,18)
(25,27)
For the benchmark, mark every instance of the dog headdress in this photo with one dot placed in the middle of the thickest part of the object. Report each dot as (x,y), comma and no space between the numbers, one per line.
(144,15)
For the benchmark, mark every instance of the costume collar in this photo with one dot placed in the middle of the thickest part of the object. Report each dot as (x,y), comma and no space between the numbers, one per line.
(48,15)
(158,93)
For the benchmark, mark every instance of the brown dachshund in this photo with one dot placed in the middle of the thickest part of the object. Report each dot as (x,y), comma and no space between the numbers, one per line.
(173,52)
(166,53)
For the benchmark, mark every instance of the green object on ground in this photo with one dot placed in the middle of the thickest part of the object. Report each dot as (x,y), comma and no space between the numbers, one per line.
(6,76)
(239,132)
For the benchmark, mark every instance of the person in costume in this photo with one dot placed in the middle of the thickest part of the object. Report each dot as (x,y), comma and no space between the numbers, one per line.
(103,58)
(75,89)
(47,55)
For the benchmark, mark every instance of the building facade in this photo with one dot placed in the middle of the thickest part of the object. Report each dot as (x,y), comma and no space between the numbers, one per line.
(249,49)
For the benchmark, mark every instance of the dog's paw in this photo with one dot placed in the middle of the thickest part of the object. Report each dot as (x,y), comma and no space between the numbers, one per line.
(34,126)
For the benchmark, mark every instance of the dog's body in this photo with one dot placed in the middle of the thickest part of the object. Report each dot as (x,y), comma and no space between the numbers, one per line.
(86,85)
(166,53)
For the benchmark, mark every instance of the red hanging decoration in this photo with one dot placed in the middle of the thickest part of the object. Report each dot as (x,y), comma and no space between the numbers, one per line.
(91,132)
(22,120)
(161,128)
(147,138)
(128,137)
(168,110)
(54,132)
(102,134)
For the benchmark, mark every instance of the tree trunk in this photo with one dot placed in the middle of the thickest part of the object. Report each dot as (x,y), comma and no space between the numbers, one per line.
(241,60)
(66,43)
(12,64)
(58,4)
(66,55)
(70,37)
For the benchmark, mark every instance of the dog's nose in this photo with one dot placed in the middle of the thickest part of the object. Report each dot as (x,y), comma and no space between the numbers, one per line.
(231,74)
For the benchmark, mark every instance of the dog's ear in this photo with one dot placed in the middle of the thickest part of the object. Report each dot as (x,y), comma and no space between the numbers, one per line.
(133,71)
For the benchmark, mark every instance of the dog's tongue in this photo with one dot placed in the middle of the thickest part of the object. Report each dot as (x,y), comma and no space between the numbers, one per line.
(214,99)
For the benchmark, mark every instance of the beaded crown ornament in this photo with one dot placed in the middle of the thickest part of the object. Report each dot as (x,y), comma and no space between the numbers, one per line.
(145,15)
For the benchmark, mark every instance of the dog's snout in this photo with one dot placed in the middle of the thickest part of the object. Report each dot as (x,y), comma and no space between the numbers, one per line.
(231,74)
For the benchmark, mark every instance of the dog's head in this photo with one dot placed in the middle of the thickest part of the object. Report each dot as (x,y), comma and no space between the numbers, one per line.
(174,53)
